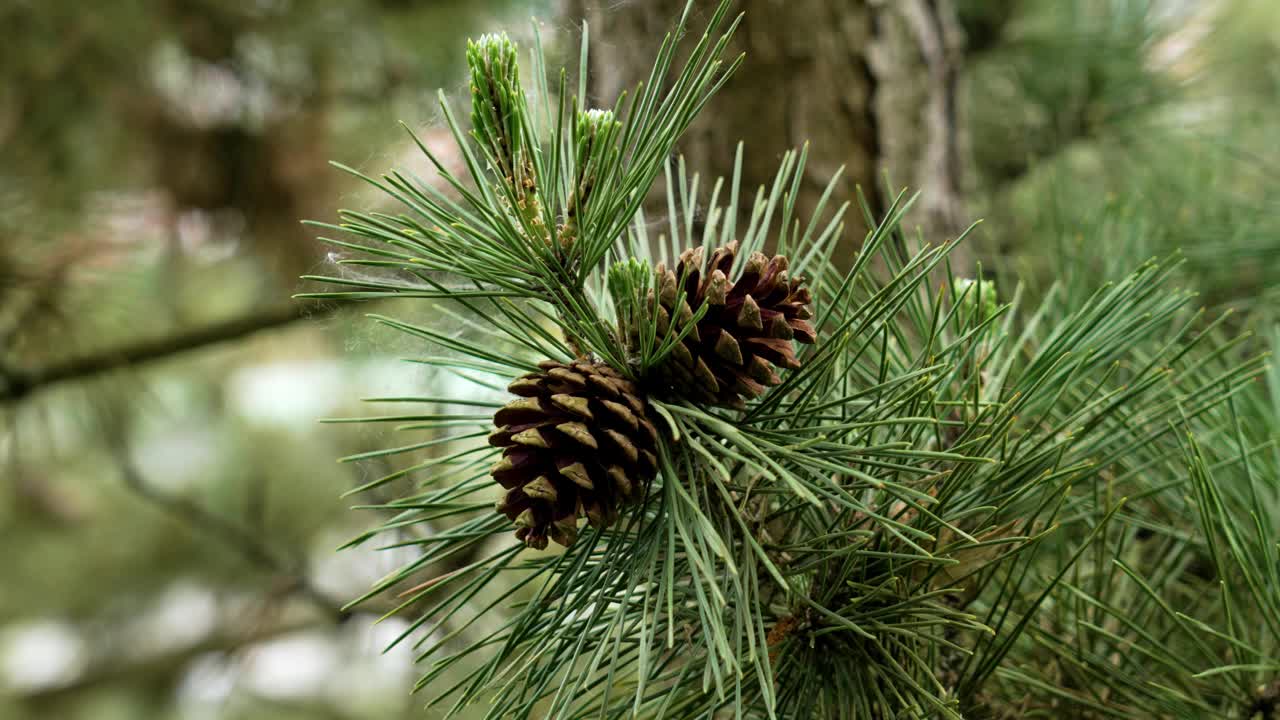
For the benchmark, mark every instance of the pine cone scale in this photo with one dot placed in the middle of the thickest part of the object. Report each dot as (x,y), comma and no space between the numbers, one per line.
(748,328)
(576,443)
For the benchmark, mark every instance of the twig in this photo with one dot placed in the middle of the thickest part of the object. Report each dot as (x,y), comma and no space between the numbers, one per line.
(248,545)
(161,665)
(17,383)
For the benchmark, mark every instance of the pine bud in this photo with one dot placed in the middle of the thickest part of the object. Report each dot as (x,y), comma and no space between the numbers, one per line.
(496,98)
(596,124)
(593,136)
(978,299)
(498,118)
(628,286)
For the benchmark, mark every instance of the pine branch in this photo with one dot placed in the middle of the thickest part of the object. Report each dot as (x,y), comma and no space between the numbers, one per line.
(810,491)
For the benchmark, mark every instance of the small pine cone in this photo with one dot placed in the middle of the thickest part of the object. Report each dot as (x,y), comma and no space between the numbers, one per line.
(578,442)
(749,325)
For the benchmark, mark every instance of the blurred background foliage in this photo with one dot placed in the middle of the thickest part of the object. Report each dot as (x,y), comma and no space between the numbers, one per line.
(173,528)
(1109,132)
(170,507)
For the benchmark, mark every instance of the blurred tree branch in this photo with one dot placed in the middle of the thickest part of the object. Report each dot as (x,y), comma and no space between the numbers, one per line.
(161,667)
(166,667)
(247,544)
(18,383)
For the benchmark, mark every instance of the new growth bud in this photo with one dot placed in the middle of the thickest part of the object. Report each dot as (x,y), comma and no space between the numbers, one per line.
(628,285)
(496,98)
(977,298)
(592,123)
(594,136)
(499,117)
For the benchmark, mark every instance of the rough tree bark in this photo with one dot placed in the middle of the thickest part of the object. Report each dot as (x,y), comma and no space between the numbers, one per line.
(871,84)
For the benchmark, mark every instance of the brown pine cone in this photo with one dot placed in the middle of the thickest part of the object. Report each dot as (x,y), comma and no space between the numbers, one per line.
(747,330)
(578,442)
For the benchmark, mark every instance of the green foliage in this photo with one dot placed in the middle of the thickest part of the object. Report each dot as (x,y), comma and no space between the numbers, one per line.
(1151,145)
(128,133)
(968,502)
(523,231)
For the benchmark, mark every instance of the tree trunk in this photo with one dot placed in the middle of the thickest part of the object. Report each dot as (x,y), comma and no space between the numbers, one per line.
(870,85)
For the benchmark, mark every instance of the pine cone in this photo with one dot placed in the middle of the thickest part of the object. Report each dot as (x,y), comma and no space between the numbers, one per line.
(748,327)
(578,442)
